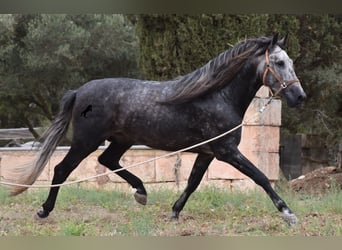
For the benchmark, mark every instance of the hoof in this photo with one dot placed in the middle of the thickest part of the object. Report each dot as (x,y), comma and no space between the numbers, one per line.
(140,198)
(174,216)
(290,218)
(42,214)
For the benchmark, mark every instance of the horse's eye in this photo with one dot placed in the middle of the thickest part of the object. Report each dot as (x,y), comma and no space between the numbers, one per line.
(280,63)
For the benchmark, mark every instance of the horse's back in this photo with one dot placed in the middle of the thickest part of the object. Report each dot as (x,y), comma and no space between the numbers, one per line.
(129,109)
(117,105)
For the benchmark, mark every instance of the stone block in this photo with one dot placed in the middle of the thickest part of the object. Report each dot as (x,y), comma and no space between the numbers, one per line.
(271,115)
(101,180)
(219,170)
(177,167)
(188,160)
(249,138)
(19,158)
(166,167)
(260,138)
(263,92)
(269,164)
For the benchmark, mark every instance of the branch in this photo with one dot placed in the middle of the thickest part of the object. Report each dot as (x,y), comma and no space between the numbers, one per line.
(31,128)
(321,117)
(43,105)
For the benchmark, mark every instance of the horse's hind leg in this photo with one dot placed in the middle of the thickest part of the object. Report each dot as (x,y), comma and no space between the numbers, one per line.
(200,166)
(61,172)
(110,158)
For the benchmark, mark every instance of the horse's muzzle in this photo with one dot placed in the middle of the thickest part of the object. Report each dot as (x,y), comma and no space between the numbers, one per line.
(294,95)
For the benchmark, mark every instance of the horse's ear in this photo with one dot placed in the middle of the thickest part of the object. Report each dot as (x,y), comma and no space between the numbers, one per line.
(283,42)
(275,39)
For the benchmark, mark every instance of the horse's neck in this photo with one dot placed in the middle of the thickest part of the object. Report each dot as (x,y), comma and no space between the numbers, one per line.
(243,89)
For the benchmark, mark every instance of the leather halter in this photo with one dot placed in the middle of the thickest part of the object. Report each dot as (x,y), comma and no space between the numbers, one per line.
(283,84)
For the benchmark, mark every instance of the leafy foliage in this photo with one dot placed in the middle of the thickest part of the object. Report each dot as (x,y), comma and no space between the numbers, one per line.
(173,45)
(319,66)
(44,55)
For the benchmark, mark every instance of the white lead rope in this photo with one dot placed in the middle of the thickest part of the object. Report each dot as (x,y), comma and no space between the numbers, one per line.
(261,110)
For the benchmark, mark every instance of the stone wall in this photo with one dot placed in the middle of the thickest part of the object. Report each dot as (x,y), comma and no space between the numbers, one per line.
(303,153)
(260,144)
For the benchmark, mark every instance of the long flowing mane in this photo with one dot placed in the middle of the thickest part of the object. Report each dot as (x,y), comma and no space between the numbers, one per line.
(218,72)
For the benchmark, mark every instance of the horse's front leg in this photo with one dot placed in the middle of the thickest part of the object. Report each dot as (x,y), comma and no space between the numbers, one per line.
(234,157)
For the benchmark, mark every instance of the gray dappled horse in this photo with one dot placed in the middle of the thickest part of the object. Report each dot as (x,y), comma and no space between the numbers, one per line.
(171,115)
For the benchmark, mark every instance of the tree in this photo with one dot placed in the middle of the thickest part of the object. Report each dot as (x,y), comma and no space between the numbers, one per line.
(172,45)
(12,112)
(44,55)
(319,67)
(112,46)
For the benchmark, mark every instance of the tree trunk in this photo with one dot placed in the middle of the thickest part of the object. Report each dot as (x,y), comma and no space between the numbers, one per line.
(31,128)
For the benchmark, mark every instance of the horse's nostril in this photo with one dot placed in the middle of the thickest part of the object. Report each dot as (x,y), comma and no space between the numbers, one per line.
(301,98)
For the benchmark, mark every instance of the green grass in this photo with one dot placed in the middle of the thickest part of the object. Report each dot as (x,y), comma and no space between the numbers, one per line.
(209,211)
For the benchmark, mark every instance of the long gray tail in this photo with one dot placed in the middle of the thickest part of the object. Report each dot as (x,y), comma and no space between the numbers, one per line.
(28,174)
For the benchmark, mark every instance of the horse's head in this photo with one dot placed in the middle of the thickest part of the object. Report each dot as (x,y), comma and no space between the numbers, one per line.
(279,75)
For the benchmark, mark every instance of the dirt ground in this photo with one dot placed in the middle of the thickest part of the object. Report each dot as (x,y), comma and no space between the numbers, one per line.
(318,181)
(212,212)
